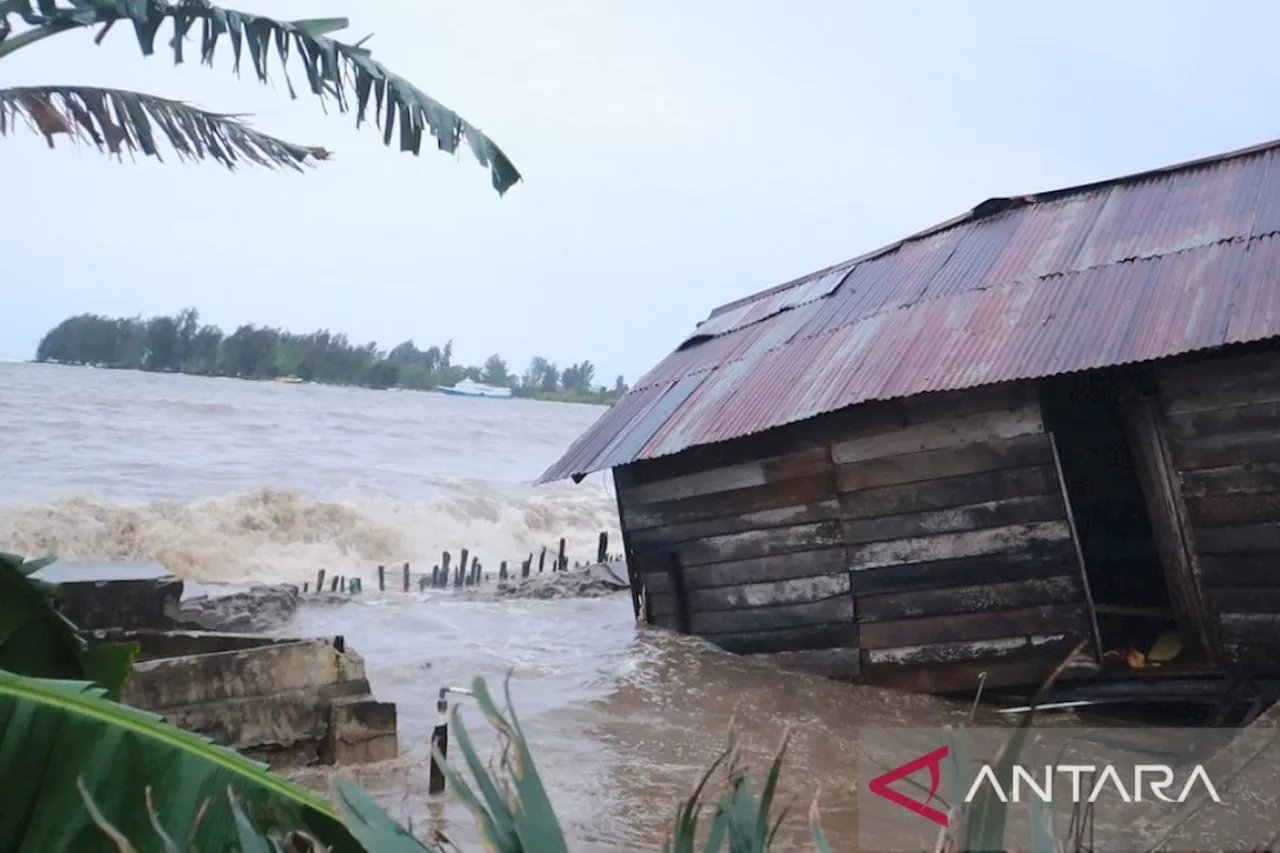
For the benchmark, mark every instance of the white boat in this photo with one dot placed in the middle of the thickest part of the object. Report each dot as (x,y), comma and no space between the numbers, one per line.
(468,388)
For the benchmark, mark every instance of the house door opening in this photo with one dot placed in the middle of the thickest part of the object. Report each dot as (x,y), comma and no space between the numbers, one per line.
(1131,596)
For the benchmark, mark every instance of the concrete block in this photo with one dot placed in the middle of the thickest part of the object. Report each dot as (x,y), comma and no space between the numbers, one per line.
(360,731)
(126,594)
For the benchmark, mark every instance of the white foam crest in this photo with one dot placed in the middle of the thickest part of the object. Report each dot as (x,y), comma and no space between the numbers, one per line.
(283,536)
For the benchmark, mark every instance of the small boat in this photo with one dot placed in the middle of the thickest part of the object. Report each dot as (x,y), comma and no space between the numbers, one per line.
(290,380)
(468,388)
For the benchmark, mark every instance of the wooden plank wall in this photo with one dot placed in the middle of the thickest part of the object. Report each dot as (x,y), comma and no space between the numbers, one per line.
(1222,419)
(912,545)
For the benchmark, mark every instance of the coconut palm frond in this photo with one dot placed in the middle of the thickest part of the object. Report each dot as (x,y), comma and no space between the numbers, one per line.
(345,74)
(114,119)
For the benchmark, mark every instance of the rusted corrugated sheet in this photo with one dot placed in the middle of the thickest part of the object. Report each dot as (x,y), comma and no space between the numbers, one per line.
(1146,267)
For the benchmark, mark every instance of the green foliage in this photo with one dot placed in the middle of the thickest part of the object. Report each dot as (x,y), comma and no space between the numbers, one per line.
(66,741)
(37,640)
(183,344)
(343,74)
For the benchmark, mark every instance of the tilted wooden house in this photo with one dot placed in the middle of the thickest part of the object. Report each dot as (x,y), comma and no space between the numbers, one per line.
(1053,419)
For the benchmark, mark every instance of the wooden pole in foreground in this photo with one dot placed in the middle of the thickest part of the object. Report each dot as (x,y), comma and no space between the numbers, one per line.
(463,566)
(382,578)
(320,581)
(542,558)
(406,577)
(502,570)
(562,562)
(435,576)
(333,585)
(602,550)
(444,569)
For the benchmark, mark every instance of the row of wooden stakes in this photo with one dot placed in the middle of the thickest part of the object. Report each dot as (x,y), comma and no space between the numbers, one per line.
(462,574)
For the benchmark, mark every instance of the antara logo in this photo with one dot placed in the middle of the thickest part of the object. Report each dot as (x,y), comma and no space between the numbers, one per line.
(1155,779)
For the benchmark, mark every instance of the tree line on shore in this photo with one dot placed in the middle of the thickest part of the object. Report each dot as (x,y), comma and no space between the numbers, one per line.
(182,344)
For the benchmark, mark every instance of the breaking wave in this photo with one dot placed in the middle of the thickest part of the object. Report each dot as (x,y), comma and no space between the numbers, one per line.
(275,535)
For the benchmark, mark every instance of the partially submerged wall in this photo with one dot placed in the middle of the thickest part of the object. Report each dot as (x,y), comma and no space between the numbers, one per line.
(913,544)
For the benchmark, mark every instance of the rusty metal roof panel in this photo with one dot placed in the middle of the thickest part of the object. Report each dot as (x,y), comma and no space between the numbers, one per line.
(1140,268)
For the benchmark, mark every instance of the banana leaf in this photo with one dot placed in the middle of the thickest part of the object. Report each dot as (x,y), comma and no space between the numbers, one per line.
(55,735)
(38,641)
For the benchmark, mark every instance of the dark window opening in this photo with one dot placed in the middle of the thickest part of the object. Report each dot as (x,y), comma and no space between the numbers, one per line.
(1122,564)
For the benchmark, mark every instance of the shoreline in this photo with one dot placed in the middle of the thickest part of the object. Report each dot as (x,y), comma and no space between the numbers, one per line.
(542,396)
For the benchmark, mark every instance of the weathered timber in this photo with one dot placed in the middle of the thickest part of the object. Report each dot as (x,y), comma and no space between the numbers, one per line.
(1239,539)
(382,578)
(1218,383)
(996,540)
(788,640)
(965,677)
(782,495)
(743,475)
(1040,560)
(959,652)
(1232,509)
(1240,569)
(949,492)
(773,618)
(679,594)
(966,429)
(844,664)
(1064,589)
(991,455)
(1244,599)
(1245,479)
(795,591)
(602,547)
(772,568)
(1227,449)
(1049,619)
(1202,426)
(1171,523)
(773,540)
(739,523)
(1258,657)
(954,520)
(1249,627)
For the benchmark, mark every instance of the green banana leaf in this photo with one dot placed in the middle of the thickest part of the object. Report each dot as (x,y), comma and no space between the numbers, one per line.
(38,641)
(57,734)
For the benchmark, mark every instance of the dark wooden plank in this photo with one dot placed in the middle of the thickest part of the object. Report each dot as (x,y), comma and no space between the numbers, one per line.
(758,543)
(996,649)
(1239,539)
(1244,599)
(1227,449)
(994,540)
(1245,479)
(1013,595)
(790,493)
(840,664)
(1220,381)
(965,677)
(796,591)
(1249,627)
(784,517)
(954,520)
(795,639)
(950,492)
(776,618)
(1049,619)
(993,455)
(1220,510)
(774,567)
(1253,658)
(1240,569)
(1170,525)
(944,405)
(966,429)
(679,595)
(743,475)
(1197,426)
(1041,561)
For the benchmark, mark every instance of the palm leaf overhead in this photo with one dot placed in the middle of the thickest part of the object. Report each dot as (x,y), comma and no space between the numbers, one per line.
(345,74)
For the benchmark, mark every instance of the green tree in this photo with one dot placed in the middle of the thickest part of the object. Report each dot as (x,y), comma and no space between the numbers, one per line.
(495,371)
(335,72)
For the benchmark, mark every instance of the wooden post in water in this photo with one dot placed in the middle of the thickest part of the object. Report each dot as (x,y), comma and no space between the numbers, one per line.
(320,581)
(382,578)
(333,585)
(542,558)
(463,566)
(406,577)
(602,550)
(444,569)
(435,576)
(528,564)
(502,570)
(675,573)
(475,570)
(305,585)
(562,562)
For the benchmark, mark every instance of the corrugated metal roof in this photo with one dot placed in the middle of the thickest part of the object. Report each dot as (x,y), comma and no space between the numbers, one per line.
(1153,265)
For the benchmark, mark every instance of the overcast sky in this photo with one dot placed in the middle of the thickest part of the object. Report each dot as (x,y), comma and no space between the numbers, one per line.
(676,155)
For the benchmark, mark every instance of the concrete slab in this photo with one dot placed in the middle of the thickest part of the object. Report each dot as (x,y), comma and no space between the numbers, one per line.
(127,594)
